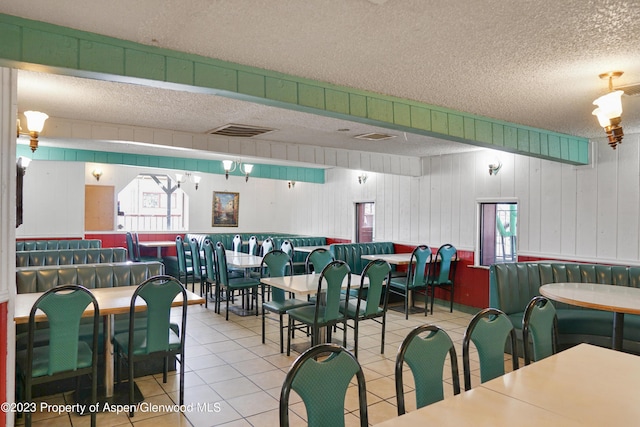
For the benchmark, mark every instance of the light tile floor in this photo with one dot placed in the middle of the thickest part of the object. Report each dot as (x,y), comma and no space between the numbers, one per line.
(232,379)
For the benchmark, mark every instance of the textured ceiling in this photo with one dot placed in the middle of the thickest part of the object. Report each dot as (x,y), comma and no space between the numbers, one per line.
(534,63)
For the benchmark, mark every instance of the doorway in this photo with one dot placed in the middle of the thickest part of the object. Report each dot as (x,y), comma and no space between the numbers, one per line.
(365,217)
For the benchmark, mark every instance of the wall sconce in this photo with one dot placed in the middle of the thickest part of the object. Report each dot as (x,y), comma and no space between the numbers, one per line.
(494,168)
(362,178)
(21,168)
(610,109)
(292,184)
(35,123)
(97,173)
(181,178)
(231,165)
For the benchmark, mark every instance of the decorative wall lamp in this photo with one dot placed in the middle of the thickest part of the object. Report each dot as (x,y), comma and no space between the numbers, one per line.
(182,178)
(292,184)
(97,173)
(494,168)
(362,178)
(21,169)
(231,165)
(35,123)
(610,109)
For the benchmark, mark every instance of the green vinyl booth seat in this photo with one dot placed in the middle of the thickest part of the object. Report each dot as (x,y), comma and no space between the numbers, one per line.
(104,275)
(40,245)
(351,253)
(91,276)
(513,285)
(70,256)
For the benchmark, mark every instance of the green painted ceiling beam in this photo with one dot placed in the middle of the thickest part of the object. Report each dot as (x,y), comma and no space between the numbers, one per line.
(286,173)
(73,52)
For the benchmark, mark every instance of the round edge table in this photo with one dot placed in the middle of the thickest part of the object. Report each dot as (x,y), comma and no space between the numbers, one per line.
(614,298)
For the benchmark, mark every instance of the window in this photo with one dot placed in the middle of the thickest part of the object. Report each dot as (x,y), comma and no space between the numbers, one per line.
(498,233)
(365,215)
(152,203)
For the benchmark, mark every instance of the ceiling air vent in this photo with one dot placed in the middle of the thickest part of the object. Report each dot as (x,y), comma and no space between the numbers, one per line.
(630,90)
(374,136)
(239,131)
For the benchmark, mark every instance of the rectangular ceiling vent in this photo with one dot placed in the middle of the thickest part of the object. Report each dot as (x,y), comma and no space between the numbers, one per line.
(240,131)
(374,136)
(630,90)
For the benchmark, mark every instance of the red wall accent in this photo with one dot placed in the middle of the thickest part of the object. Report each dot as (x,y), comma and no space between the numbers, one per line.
(471,284)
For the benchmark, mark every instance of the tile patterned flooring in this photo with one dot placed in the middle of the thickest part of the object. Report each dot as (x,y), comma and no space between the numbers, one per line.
(228,368)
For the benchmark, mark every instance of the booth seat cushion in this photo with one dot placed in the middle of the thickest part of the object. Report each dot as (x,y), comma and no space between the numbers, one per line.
(351,253)
(41,279)
(513,285)
(70,256)
(32,245)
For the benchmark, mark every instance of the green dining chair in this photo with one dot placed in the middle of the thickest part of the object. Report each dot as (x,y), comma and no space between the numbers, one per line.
(416,279)
(156,337)
(325,312)
(64,355)
(540,323)
(277,264)
(322,383)
(231,285)
(185,269)
(371,301)
(442,273)
(425,351)
(317,260)
(489,331)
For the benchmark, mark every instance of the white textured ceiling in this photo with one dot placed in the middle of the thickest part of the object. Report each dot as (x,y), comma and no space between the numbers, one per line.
(534,63)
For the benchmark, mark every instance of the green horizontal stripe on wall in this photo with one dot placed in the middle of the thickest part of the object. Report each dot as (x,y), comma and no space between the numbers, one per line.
(285,173)
(82,53)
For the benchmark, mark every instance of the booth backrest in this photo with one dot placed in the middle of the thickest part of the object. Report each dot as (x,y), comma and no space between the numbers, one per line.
(40,279)
(278,238)
(351,253)
(513,284)
(40,245)
(70,256)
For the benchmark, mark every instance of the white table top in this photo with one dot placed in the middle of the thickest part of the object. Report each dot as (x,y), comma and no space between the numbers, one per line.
(157,243)
(115,300)
(309,249)
(395,259)
(304,284)
(243,260)
(621,299)
(584,385)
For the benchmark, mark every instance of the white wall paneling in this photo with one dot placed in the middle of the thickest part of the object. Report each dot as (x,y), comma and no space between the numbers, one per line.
(581,213)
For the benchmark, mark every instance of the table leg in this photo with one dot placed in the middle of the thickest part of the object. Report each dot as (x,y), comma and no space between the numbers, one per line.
(108,357)
(159,253)
(618,330)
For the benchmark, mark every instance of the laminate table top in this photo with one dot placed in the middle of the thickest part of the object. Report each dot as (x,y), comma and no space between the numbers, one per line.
(582,386)
(304,284)
(621,299)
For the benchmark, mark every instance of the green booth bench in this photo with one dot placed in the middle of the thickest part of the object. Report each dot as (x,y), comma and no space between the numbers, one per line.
(513,285)
(102,275)
(351,253)
(32,245)
(70,256)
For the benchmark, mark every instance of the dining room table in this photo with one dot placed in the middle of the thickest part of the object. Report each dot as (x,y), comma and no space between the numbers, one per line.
(620,300)
(158,244)
(584,385)
(307,284)
(111,301)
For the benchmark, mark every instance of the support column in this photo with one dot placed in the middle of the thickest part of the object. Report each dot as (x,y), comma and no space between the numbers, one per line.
(8,115)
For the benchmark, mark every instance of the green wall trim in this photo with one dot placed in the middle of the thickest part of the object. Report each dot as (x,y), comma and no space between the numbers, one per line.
(81,53)
(285,173)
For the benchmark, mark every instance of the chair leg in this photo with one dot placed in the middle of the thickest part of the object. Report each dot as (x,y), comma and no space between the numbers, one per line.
(165,369)
(263,332)
(281,334)
(289,336)
(384,324)
(131,385)
(406,304)
(355,336)
(94,394)
(182,377)
(451,303)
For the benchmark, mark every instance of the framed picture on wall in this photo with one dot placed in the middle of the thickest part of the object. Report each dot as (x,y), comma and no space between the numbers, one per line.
(225,209)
